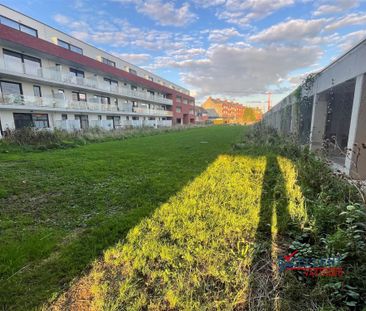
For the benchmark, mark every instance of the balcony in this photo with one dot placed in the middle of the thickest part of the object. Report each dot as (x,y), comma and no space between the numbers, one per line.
(152,112)
(62,104)
(48,75)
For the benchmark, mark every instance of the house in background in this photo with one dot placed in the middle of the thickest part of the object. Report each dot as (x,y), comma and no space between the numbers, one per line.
(229,112)
(201,115)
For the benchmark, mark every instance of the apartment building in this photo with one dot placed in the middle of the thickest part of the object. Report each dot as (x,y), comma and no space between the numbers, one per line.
(232,112)
(49,79)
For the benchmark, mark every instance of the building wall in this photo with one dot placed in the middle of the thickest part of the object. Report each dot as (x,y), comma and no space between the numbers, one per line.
(45,48)
(337,91)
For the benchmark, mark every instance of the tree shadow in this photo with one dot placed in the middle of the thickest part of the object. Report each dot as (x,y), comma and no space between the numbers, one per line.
(273,219)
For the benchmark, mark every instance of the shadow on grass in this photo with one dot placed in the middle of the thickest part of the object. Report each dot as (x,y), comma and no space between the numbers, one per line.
(273,217)
(36,283)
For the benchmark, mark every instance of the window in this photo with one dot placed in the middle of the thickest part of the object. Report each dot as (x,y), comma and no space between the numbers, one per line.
(40,120)
(133,87)
(75,49)
(116,120)
(36,120)
(84,121)
(80,97)
(28,30)
(134,72)
(63,44)
(13,24)
(69,46)
(99,117)
(178,109)
(10,88)
(111,82)
(16,60)
(108,62)
(103,99)
(151,92)
(135,118)
(134,104)
(77,73)
(37,91)
(179,99)
(150,78)
(64,117)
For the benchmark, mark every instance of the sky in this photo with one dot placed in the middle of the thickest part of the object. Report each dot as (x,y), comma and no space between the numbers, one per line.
(231,49)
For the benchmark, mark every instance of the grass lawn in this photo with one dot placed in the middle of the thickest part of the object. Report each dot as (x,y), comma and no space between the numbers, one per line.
(214,244)
(60,209)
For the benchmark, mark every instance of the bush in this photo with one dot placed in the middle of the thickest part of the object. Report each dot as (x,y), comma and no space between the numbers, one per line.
(337,217)
(42,139)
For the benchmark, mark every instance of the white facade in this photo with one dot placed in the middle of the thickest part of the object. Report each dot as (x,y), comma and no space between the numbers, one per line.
(334,111)
(47,90)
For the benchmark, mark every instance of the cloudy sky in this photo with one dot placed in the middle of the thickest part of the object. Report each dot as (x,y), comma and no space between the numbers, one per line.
(235,49)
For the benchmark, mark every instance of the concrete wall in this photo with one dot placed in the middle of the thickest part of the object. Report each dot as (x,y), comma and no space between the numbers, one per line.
(337,79)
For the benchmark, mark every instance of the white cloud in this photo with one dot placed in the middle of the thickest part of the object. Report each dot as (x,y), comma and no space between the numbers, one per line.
(351,39)
(164,13)
(335,7)
(348,20)
(243,12)
(291,30)
(61,19)
(133,58)
(222,35)
(208,3)
(227,69)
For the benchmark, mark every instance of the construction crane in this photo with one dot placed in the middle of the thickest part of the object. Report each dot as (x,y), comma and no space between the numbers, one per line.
(269,101)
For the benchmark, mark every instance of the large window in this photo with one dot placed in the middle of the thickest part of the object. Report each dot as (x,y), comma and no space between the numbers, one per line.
(108,62)
(84,121)
(69,46)
(77,73)
(80,97)
(102,99)
(13,24)
(37,120)
(40,120)
(15,61)
(10,88)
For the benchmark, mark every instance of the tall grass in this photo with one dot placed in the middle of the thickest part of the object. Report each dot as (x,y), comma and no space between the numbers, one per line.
(42,139)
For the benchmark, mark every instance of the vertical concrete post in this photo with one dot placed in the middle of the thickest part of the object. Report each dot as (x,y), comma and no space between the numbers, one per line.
(357,131)
(318,121)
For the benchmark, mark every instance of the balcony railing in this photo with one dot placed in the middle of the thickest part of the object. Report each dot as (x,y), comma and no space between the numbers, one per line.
(54,75)
(153,112)
(64,104)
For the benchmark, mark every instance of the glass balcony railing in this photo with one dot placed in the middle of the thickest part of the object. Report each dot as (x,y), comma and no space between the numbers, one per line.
(64,104)
(54,75)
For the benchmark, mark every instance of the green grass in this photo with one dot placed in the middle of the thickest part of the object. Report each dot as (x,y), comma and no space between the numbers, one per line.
(177,221)
(60,209)
(214,244)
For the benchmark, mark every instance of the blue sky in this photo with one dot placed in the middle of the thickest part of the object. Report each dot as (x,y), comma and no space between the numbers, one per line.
(235,49)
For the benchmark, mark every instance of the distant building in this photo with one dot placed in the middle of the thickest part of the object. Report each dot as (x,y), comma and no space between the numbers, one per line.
(201,115)
(231,112)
